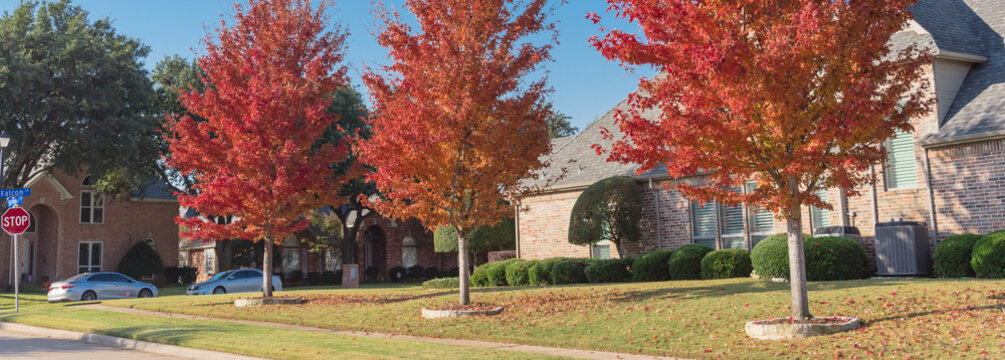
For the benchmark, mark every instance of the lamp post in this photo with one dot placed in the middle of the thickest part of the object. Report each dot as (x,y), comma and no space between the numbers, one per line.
(4,141)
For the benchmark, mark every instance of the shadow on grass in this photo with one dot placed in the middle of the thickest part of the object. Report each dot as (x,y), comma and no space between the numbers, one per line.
(748,287)
(935,312)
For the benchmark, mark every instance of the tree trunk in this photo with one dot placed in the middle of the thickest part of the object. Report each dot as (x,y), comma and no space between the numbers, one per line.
(267,268)
(462,265)
(797,265)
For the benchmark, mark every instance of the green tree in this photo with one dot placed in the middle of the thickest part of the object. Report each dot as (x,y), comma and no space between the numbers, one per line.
(73,94)
(559,126)
(141,260)
(610,209)
(484,239)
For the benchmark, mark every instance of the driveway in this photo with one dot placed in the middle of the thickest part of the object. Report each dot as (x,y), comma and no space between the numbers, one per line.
(23,346)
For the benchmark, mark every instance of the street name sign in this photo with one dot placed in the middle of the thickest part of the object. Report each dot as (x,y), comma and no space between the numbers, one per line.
(14,201)
(7,193)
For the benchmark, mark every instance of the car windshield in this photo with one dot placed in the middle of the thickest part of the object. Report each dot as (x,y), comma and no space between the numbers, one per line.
(220,276)
(77,277)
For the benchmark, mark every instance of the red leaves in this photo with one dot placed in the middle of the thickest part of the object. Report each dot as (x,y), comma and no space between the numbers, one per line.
(268,79)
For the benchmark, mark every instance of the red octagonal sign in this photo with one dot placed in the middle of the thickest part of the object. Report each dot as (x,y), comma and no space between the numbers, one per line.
(15,220)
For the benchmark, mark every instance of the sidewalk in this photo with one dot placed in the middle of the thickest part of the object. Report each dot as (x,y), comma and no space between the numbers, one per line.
(574,353)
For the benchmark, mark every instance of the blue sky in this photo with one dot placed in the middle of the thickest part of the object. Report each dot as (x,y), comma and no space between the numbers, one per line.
(586,85)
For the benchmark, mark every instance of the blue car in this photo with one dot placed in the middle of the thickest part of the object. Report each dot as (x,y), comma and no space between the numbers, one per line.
(233,281)
(99,286)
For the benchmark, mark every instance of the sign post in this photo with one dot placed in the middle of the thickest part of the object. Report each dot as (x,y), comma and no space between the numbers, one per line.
(15,221)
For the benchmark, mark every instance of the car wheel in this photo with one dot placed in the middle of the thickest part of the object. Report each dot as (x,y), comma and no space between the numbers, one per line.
(89,296)
(145,293)
(219,290)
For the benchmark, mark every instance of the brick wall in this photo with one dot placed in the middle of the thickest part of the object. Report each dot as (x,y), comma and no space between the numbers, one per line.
(969,184)
(544,227)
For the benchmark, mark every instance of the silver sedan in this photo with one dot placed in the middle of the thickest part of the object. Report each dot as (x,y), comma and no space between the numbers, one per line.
(233,281)
(101,285)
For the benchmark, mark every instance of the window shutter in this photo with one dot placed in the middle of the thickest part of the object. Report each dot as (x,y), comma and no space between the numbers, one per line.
(704,219)
(821,217)
(901,168)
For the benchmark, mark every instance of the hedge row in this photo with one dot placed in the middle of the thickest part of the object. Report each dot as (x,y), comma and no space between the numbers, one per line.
(827,258)
(971,255)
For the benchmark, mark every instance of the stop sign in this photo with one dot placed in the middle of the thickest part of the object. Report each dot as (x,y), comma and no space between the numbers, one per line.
(15,220)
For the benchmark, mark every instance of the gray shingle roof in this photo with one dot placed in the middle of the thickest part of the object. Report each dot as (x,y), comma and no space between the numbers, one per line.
(947,23)
(979,107)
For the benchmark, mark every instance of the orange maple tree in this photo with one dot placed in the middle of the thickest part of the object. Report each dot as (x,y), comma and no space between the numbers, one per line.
(256,157)
(454,126)
(797,95)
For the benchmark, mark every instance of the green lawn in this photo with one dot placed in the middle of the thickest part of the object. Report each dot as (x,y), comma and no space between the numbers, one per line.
(696,319)
(244,339)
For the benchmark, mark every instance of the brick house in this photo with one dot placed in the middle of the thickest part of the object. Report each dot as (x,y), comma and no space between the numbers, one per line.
(382,244)
(947,173)
(76,229)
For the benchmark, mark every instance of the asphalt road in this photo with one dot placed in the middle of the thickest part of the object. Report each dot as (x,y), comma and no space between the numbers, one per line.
(22,346)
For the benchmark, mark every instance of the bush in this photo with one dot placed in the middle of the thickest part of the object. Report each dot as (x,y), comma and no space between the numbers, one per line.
(186,274)
(295,276)
(726,263)
(372,272)
(988,258)
(171,275)
(835,258)
(480,276)
(608,271)
(652,266)
(432,272)
(442,283)
(332,277)
(313,278)
(397,274)
(540,273)
(685,262)
(496,271)
(518,272)
(416,272)
(141,260)
(952,256)
(770,257)
(452,272)
(569,271)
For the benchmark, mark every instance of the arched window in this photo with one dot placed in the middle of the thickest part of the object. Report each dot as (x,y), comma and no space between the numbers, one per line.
(409,252)
(87,181)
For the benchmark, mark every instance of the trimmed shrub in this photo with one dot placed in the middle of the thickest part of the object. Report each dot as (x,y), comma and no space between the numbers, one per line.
(496,271)
(442,283)
(540,273)
(518,272)
(608,271)
(313,278)
(569,271)
(332,277)
(397,274)
(952,256)
(295,276)
(171,275)
(652,266)
(685,262)
(835,258)
(140,260)
(432,272)
(770,257)
(416,272)
(451,272)
(186,274)
(726,263)
(480,276)
(988,258)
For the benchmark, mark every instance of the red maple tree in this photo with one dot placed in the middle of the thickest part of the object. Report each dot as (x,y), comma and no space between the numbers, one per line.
(454,129)
(268,80)
(797,95)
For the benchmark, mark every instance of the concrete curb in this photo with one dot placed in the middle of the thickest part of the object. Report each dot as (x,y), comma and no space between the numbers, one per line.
(123,343)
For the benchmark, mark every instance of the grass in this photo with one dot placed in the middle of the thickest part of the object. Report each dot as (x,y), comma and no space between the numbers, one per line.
(244,339)
(922,318)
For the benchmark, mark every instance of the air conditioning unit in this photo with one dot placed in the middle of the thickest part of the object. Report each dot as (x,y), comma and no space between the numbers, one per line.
(903,249)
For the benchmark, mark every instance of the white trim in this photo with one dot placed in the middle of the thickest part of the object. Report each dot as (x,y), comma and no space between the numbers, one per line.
(92,207)
(90,249)
(958,56)
(962,139)
(64,194)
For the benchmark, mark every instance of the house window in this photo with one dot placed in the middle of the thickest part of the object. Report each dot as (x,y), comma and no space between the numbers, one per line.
(88,256)
(87,182)
(333,258)
(601,250)
(92,207)
(820,217)
(409,252)
(761,221)
(703,223)
(291,256)
(731,225)
(182,258)
(209,261)
(901,166)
